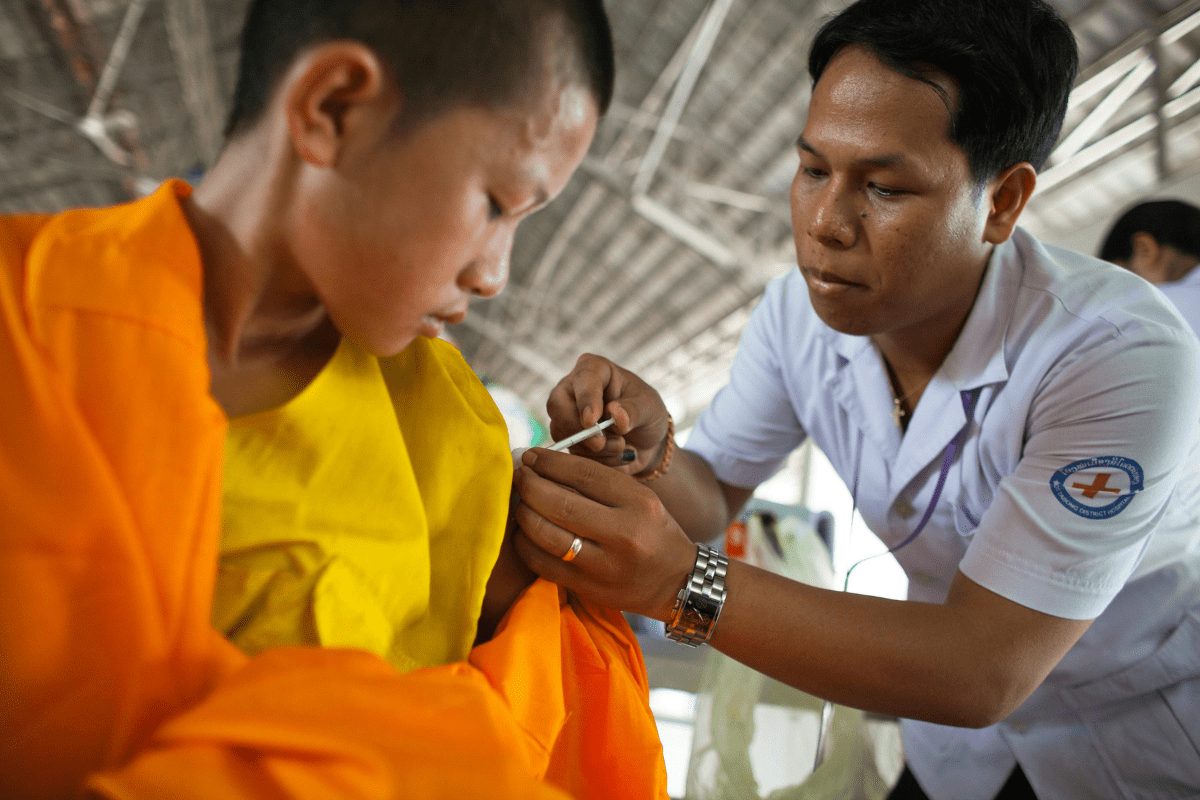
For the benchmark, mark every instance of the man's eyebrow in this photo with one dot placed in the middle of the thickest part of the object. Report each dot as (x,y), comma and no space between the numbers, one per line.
(884,161)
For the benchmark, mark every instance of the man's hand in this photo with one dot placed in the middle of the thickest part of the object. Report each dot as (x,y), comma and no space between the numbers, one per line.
(690,491)
(635,557)
(597,387)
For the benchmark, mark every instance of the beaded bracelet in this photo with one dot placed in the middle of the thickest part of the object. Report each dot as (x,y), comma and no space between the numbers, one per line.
(665,463)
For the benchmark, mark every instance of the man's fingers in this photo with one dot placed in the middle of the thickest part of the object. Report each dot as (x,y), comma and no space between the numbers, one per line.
(622,423)
(600,446)
(592,444)
(641,412)
(545,564)
(564,506)
(563,409)
(548,536)
(549,470)
(596,388)
(590,381)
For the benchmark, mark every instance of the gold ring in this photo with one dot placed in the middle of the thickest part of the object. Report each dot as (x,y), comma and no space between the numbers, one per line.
(574,551)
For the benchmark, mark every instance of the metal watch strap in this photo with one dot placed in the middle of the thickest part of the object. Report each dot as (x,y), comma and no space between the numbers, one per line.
(699,602)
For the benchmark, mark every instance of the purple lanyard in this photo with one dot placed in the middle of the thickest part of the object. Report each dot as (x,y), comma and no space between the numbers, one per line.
(969,398)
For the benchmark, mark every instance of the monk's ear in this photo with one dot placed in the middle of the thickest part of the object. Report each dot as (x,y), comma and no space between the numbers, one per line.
(332,93)
(1006,196)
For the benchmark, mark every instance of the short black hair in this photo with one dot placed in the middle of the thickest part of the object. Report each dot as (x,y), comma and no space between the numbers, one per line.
(441,53)
(1014,62)
(1171,222)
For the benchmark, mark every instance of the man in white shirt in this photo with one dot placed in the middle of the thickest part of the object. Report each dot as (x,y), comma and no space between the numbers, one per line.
(1160,240)
(1018,423)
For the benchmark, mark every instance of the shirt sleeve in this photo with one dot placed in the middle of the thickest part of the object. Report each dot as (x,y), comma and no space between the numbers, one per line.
(1185,295)
(1106,439)
(751,427)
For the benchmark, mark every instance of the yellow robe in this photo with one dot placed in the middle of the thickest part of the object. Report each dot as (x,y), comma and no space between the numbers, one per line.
(113,679)
(368,511)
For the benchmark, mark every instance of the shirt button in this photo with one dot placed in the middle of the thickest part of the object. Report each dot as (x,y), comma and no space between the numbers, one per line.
(903,508)
(922,578)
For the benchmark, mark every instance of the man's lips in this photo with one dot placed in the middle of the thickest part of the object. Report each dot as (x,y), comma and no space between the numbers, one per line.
(829,281)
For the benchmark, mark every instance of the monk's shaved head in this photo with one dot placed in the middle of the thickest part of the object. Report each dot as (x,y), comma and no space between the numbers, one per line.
(441,53)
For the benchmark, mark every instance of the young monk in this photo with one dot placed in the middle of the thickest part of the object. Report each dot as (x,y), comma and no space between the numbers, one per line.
(380,156)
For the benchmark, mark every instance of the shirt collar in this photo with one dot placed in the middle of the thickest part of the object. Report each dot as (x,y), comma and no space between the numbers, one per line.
(978,356)
(845,345)
(1190,279)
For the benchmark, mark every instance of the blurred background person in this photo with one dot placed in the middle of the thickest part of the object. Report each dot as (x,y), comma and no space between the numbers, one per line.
(1160,240)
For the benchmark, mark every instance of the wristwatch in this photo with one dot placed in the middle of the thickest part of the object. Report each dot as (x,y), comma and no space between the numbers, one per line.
(699,602)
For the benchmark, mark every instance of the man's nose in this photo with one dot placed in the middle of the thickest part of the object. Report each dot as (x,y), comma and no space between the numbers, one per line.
(831,219)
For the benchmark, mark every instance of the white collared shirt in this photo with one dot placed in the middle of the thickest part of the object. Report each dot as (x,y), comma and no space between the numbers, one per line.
(1185,294)
(1088,416)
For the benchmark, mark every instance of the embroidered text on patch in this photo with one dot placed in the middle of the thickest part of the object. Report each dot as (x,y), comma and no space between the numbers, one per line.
(1107,487)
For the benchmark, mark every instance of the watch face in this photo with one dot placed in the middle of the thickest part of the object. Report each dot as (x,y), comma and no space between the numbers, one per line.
(699,612)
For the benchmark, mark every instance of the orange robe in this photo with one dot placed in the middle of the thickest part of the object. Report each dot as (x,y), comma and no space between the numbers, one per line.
(112,678)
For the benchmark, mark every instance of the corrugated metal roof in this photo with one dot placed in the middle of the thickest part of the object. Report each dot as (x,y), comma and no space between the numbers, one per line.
(663,241)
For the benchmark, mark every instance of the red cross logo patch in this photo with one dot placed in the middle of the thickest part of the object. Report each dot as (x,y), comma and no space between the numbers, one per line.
(1097,488)
(1100,484)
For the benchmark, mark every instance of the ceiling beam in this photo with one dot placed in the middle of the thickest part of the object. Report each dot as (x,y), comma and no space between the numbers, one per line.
(693,236)
(72,40)
(118,52)
(1100,116)
(1162,153)
(1135,133)
(656,96)
(196,63)
(1141,52)
(714,18)
(1174,23)
(71,31)
(525,312)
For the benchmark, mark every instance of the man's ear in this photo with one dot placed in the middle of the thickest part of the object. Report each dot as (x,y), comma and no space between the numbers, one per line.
(1006,196)
(1145,247)
(1149,258)
(333,91)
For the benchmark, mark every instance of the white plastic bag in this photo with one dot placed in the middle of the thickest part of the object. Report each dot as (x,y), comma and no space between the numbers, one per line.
(756,738)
